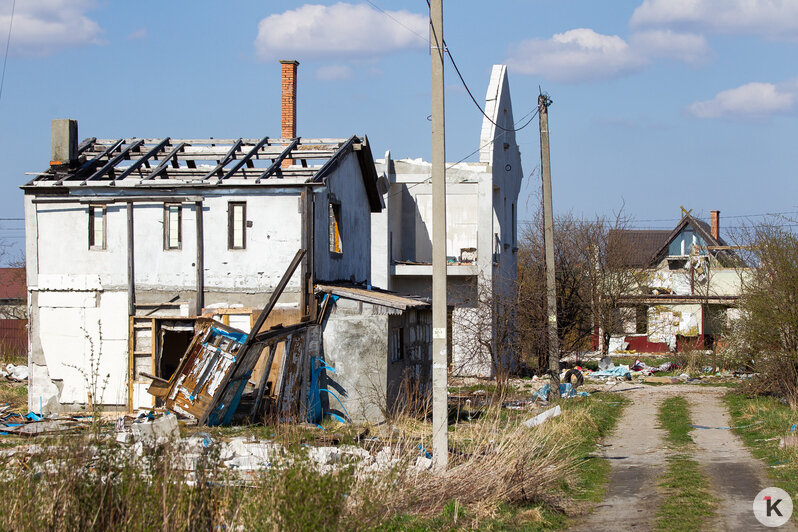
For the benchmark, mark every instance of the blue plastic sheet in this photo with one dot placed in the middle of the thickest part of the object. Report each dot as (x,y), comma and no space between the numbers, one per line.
(566,390)
(235,336)
(617,371)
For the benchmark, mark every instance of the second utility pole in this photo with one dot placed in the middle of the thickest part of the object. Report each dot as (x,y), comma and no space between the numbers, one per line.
(548,240)
(440,385)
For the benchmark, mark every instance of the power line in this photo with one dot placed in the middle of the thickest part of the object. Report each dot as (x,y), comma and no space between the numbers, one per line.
(470,94)
(468,90)
(8,42)
(733,217)
(454,64)
(533,112)
(381,10)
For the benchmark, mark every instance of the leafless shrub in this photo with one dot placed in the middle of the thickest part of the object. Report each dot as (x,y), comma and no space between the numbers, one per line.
(595,271)
(486,328)
(768,323)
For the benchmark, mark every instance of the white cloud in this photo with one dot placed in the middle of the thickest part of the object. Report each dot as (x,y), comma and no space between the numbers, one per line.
(577,55)
(769,18)
(317,31)
(334,72)
(752,100)
(138,34)
(45,26)
(685,47)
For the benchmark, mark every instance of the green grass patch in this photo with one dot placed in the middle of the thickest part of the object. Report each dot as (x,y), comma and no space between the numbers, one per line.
(674,417)
(15,395)
(590,481)
(687,503)
(761,422)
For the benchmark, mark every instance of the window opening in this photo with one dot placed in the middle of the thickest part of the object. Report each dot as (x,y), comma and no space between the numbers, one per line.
(237,226)
(397,344)
(172,226)
(335,228)
(96,227)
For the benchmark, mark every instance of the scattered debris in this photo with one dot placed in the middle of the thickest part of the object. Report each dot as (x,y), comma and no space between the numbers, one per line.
(616,372)
(566,391)
(605,363)
(540,418)
(788,442)
(15,373)
(159,430)
(661,380)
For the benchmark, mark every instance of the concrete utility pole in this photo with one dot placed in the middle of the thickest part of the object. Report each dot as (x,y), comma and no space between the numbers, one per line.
(440,385)
(548,239)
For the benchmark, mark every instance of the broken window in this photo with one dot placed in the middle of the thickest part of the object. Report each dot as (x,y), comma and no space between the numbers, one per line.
(641,319)
(236,225)
(335,228)
(97,227)
(172,221)
(175,337)
(397,344)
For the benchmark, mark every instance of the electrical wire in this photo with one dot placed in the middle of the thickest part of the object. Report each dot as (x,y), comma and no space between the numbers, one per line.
(533,112)
(471,95)
(468,90)
(381,10)
(454,64)
(8,42)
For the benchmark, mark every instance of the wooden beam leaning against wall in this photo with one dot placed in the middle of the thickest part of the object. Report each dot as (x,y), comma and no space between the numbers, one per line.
(307,205)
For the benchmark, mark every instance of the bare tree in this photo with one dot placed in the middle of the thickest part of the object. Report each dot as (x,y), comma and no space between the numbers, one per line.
(611,273)
(573,311)
(485,328)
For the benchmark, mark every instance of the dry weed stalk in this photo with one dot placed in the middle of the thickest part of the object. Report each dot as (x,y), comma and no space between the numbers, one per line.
(497,462)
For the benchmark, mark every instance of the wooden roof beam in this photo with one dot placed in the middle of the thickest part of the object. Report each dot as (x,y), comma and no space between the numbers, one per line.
(162,167)
(122,155)
(90,165)
(143,159)
(231,153)
(278,161)
(245,159)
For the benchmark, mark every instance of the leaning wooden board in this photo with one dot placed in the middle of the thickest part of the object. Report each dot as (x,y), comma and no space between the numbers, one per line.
(210,357)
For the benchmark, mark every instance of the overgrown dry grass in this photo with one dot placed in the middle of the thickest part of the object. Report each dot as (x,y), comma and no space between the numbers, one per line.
(502,475)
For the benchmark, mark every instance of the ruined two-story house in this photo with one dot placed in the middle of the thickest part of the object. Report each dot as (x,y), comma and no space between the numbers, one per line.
(481,232)
(129,239)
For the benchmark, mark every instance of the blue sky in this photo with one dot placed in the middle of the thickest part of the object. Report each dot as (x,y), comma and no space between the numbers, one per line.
(657,103)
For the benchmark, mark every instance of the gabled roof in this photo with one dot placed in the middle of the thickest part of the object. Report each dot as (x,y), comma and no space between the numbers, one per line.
(639,244)
(180,163)
(701,228)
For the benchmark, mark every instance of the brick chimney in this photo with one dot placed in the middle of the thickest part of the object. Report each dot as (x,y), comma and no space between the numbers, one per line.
(714,225)
(288,79)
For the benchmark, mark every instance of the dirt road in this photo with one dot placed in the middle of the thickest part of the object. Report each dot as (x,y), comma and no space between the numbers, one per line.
(637,453)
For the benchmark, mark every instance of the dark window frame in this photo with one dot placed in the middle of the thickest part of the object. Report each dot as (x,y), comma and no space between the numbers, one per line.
(167,226)
(231,208)
(94,246)
(335,236)
(398,348)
